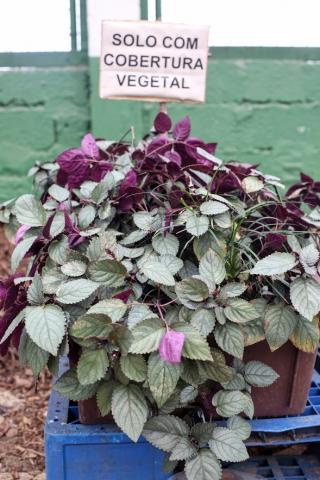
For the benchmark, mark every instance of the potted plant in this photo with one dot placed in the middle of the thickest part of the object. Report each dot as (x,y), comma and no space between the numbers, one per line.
(154,267)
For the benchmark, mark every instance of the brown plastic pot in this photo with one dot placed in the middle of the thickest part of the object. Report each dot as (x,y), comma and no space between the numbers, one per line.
(287,396)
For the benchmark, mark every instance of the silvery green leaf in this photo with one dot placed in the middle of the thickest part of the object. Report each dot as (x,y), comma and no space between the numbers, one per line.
(173,264)
(203,320)
(220,315)
(107,213)
(109,272)
(92,366)
(306,335)
(13,325)
(162,378)
(86,216)
(202,432)
(230,339)
(258,374)
(94,249)
(46,326)
(212,269)
(233,289)
(188,270)
(75,291)
(90,232)
(165,431)
(183,450)
(101,191)
(36,358)
(52,278)
(165,245)
(195,345)
(197,225)
(229,403)
(74,268)
(240,311)
(280,322)
(236,383)
(240,426)
(157,272)
(104,396)
(138,313)
(129,410)
(149,256)
(223,220)
(69,386)
(35,291)
(147,221)
(113,307)
(20,251)
(131,252)
(209,240)
(57,225)
(212,207)
(58,193)
(134,367)
(91,325)
(252,184)
(58,250)
(204,466)
(305,296)
(294,243)
(253,332)
(188,394)
(274,264)
(308,257)
(191,289)
(227,446)
(30,211)
(133,237)
(147,336)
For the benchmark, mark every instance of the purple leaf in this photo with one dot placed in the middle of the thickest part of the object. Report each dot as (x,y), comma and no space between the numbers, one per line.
(89,146)
(124,295)
(174,157)
(130,180)
(99,170)
(171,346)
(162,123)
(69,159)
(182,129)
(20,233)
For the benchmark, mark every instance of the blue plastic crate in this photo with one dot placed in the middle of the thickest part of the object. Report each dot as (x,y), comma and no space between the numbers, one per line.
(304,467)
(94,452)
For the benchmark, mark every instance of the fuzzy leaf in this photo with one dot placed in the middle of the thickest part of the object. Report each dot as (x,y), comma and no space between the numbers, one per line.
(197,225)
(134,367)
(57,225)
(30,211)
(280,322)
(46,326)
(202,432)
(227,446)
(91,325)
(183,450)
(309,255)
(35,291)
(173,264)
(230,339)
(165,431)
(147,336)
(240,311)
(92,366)
(191,289)
(74,268)
(109,272)
(162,377)
(204,466)
(113,307)
(240,426)
(147,221)
(104,396)
(195,346)
(69,386)
(212,207)
(306,335)
(259,375)
(252,184)
(58,193)
(275,264)
(58,250)
(157,272)
(36,358)
(129,410)
(305,296)
(203,320)
(233,289)
(20,251)
(212,269)
(75,291)
(86,216)
(168,245)
(138,313)
(229,403)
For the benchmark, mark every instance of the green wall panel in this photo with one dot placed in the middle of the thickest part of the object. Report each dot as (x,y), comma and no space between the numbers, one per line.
(263,106)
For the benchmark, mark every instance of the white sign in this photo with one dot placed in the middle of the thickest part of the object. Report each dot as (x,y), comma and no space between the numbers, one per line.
(153,61)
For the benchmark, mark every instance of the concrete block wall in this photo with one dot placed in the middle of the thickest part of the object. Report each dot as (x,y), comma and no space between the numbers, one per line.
(43,110)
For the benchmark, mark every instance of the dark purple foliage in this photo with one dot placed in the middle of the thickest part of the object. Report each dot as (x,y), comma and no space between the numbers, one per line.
(182,129)
(162,123)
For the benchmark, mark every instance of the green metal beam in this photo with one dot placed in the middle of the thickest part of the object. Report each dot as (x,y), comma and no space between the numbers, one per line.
(84,27)
(43,59)
(73,25)
(158,10)
(144,9)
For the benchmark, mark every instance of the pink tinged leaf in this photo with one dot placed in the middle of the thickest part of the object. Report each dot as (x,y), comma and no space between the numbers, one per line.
(99,170)
(182,129)
(173,157)
(162,123)
(69,159)
(89,146)
(171,346)
(158,146)
(130,180)
(20,233)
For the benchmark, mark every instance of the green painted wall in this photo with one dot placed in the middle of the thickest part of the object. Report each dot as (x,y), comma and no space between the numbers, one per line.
(43,110)
(263,106)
